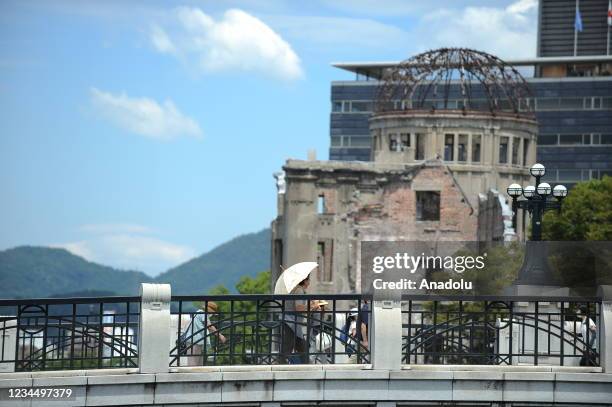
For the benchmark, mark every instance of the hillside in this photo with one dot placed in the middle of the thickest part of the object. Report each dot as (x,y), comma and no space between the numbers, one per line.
(34,272)
(244,255)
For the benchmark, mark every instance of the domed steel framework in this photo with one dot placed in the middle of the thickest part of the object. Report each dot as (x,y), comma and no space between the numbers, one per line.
(455,78)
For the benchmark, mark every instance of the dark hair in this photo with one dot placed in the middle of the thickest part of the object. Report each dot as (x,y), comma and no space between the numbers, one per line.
(584,309)
(307,278)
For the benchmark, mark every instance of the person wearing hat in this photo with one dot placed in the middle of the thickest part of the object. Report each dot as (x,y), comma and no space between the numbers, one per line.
(200,337)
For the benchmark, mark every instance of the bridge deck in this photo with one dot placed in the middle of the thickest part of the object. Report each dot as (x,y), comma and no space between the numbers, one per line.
(312,384)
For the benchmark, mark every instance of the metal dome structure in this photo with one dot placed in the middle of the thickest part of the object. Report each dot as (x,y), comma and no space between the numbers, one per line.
(454,78)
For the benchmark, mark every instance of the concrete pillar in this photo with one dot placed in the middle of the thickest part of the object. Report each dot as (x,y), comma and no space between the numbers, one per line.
(469,151)
(8,344)
(154,329)
(509,153)
(386,336)
(605,328)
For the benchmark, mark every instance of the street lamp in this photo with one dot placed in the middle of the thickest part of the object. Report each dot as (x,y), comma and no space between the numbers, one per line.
(536,200)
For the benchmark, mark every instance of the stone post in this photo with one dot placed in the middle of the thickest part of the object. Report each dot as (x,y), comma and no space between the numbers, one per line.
(605,327)
(8,343)
(386,335)
(154,328)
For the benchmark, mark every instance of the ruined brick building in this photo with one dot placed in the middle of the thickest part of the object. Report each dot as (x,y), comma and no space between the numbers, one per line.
(433,176)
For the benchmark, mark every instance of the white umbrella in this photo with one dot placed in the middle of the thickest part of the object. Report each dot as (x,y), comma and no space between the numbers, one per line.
(292,276)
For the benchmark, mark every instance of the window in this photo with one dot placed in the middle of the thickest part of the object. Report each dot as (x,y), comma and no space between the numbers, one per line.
(547,139)
(570,175)
(405,140)
(606,139)
(570,139)
(361,107)
(324,254)
(525,150)
(336,106)
(336,141)
(393,144)
(360,141)
(503,150)
(321,204)
(420,147)
(547,103)
(572,103)
(278,255)
(462,147)
(449,147)
(427,205)
(476,147)
(515,150)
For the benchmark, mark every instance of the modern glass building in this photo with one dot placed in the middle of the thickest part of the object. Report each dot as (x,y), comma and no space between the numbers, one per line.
(572,96)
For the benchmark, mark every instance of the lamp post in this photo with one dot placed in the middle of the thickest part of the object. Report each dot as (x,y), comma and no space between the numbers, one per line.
(537,200)
(535,270)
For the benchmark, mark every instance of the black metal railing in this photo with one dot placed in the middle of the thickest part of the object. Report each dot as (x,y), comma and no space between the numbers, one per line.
(69,333)
(500,330)
(269,329)
(93,333)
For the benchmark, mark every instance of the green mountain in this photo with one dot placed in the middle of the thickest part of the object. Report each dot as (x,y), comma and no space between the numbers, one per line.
(35,272)
(244,255)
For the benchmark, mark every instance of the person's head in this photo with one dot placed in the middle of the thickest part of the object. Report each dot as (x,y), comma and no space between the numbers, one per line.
(353,312)
(582,311)
(305,283)
(211,306)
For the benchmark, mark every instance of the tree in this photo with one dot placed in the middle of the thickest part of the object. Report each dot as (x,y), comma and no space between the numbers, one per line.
(586,213)
(260,284)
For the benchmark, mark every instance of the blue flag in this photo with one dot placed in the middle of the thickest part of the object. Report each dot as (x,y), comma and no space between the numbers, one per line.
(578,21)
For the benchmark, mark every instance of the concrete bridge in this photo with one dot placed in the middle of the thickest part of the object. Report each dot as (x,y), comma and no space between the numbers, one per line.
(545,379)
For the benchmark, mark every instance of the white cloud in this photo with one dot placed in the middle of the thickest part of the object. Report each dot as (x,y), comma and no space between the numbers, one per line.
(161,41)
(127,246)
(522,6)
(103,228)
(393,8)
(508,32)
(334,32)
(144,116)
(236,42)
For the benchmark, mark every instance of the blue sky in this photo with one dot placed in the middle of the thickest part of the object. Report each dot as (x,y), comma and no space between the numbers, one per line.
(141,134)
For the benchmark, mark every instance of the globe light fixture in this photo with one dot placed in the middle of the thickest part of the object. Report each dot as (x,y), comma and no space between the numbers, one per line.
(536,200)
(544,189)
(529,191)
(537,170)
(515,190)
(559,192)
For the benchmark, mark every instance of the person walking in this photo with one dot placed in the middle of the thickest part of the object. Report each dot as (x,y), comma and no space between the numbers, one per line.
(294,336)
(199,336)
(588,331)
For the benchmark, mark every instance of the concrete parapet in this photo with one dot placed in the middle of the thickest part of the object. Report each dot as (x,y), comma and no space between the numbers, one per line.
(267,387)
(155,327)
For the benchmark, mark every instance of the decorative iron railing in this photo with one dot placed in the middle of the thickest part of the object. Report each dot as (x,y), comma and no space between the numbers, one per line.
(93,333)
(500,330)
(269,329)
(69,333)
